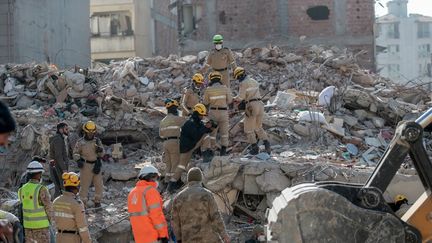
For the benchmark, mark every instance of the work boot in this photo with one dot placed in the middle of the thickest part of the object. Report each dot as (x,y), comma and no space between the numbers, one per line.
(223,151)
(207,156)
(267,146)
(254,149)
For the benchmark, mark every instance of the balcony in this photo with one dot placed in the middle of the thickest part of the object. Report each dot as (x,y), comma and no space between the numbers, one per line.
(112,44)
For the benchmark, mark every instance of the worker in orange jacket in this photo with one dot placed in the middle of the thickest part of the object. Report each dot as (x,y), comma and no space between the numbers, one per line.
(145,208)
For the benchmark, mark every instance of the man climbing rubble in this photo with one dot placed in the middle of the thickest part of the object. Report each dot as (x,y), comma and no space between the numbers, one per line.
(36,206)
(249,99)
(7,125)
(193,135)
(218,97)
(220,59)
(145,208)
(59,150)
(88,153)
(201,222)
(192,94)
(69,213)
(169,131)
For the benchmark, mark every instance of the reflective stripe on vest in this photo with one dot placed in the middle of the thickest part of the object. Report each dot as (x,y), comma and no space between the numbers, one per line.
(144,210)
(34,215)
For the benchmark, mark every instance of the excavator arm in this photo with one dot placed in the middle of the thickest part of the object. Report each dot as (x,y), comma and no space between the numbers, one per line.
(343,212)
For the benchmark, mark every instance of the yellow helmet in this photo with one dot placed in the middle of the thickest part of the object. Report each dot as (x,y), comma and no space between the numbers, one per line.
(238,72)
(171,102)
(399,198)
(70,179)
(198,78)
(89,127)
(214,75)
(201,109)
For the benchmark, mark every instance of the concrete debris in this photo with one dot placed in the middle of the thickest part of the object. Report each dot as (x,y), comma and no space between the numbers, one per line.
(327,119)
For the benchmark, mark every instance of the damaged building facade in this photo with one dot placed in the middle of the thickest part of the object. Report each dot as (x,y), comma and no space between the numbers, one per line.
(50,30)
(286,23)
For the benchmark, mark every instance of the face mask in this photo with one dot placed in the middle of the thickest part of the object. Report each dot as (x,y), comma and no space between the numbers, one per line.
(218,46)
(3,150)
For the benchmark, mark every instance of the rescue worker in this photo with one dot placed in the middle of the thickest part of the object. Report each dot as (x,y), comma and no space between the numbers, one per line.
(59,149)
(12,223)
(220,59)
(400,205)
(69,213)
(249,94)
(191,95)
(88,153)
(193,135)
(169,130)
(218,97)
(195,215)
(145,208)
(36,206)
(7,125)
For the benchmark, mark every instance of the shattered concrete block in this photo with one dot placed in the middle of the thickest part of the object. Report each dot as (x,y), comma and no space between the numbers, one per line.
(283,100)
(189,59)
(302,130)
(361,114)
(378,122)
(220,173)
(202,55)
(24,102)
(75,80)
(179,81)
(273,181)
(263,66)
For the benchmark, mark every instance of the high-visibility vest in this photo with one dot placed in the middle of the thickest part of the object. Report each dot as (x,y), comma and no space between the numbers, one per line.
(146,215)
(34,215)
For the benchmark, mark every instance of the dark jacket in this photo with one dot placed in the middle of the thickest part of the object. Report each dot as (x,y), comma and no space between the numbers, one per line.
(58,152)
(191,132)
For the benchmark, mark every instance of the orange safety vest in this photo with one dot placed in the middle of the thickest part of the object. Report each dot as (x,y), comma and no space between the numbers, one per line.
(145,212)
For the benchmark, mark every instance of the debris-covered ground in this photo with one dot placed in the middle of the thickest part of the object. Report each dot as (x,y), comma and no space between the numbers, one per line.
(326,117)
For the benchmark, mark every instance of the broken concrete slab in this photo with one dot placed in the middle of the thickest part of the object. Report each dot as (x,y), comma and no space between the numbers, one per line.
(273,181)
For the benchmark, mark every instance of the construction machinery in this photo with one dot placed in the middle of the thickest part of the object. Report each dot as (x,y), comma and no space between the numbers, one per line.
(343,212)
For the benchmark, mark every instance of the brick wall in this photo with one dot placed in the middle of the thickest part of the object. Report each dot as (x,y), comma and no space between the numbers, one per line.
(259,22)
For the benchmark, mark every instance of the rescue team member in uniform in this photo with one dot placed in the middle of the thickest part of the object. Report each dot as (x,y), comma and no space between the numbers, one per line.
(145,208)
(218,97)
(88,152)
(220,60)
(9,222)
(169,130)
(59,149)
(254,110)
(36,206)
(69,213)
(191,95)
(193,135)
(7,125)
(195,215)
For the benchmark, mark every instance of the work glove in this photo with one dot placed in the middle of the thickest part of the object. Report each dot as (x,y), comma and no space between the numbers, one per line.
(80,163)
(99,149)
(97,166)
(163,240)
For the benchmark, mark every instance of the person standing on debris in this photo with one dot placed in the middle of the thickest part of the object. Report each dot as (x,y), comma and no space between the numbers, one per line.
(201,222)
(7,125)
(88,153)
(169,130)
(59,148)
(193,135)
(220,59)
(14,223)
(145,208)
(218,97)
(36,206)
(69,213)
(249,99)
(191,95)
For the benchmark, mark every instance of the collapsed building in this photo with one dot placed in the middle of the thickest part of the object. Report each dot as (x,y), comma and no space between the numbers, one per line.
(327,119)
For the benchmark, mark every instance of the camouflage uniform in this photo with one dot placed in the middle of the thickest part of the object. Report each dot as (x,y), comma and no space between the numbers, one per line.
(195,216)
(41,235)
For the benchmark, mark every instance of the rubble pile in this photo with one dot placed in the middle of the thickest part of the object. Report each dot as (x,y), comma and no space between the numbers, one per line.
(327,119)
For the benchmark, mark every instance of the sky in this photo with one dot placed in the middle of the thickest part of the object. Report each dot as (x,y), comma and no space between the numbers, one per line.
(423,7)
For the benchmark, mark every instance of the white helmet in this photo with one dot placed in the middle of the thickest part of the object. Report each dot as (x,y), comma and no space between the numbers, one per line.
(148,169)
(35,167)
